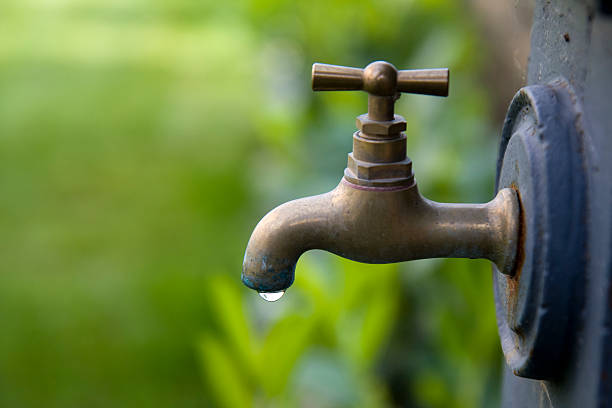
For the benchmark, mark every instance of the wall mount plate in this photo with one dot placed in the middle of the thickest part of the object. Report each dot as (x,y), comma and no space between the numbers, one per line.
(541,156)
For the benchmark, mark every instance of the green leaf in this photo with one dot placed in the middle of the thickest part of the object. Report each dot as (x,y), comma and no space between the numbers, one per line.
(223,376)
(225,297)
(283,346)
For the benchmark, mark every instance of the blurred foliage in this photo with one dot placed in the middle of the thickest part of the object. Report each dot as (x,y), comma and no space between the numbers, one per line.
(141,141)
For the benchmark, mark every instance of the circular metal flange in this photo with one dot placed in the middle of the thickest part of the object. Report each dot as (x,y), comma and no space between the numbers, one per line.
(541,156)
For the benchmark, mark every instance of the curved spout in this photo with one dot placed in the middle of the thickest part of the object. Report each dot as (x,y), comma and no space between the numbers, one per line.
(379,225)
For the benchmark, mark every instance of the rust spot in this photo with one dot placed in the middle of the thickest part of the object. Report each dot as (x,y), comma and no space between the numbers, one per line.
(566,37)
(512,281)
(519,339)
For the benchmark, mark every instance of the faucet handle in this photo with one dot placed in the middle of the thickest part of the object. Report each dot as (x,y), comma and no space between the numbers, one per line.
(380,78)
(382,81)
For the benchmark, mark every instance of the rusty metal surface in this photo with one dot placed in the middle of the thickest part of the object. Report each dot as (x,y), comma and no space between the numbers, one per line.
(571,39)
(542,157)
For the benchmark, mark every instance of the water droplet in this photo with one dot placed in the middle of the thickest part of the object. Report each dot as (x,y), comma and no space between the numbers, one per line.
(272,296)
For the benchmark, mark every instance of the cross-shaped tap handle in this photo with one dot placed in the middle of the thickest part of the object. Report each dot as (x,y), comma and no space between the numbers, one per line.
(383,83)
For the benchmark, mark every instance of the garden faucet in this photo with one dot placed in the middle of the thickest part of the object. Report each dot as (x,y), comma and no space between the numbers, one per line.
(376,213)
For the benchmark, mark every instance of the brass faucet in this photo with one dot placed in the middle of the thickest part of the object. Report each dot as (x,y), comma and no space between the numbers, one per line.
(376,213)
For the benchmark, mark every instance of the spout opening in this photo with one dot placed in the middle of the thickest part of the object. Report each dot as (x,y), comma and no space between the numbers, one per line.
(263,275)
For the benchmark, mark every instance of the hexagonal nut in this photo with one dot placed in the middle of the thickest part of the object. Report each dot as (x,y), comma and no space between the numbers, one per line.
(379,171)
(372,127)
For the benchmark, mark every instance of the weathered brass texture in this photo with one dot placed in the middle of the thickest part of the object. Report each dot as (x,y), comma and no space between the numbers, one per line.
(376,214)
(380,78)
(378,225)
(379,146)
(382,81)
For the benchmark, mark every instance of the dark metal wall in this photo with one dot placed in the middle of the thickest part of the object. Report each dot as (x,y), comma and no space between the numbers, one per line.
(572,39)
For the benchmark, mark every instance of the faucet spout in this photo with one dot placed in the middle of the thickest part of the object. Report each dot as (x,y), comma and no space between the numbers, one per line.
(379,225)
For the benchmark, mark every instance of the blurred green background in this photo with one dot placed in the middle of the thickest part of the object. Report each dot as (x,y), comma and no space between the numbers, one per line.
(140,143)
